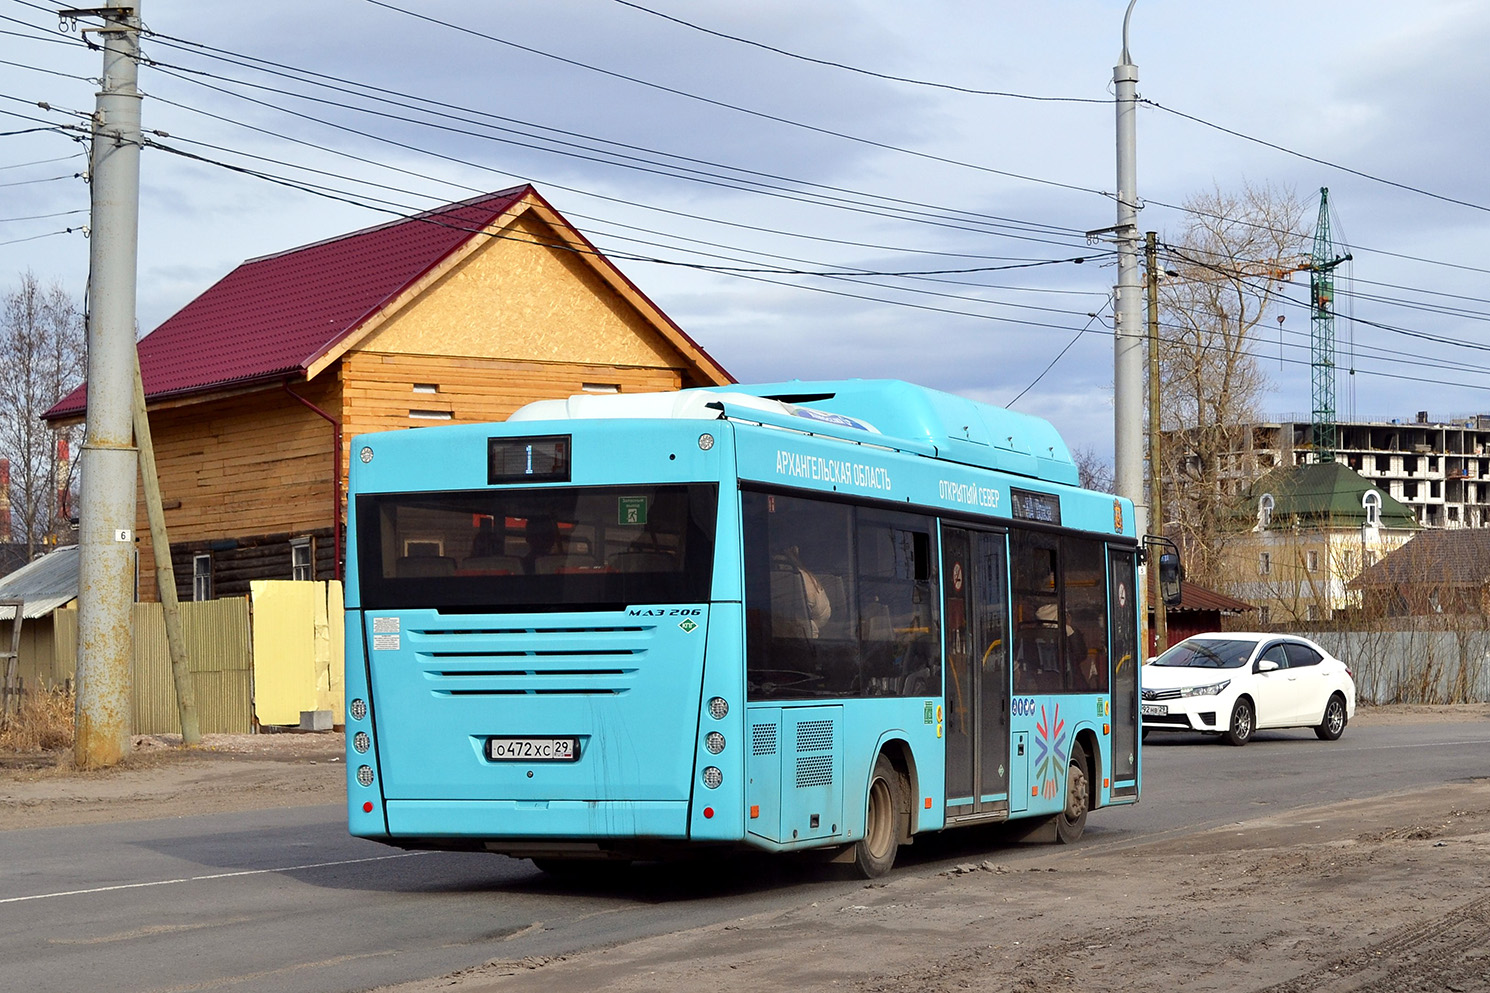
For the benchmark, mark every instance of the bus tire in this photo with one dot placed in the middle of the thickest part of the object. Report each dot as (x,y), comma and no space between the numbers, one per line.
(1070,823)
(874,854)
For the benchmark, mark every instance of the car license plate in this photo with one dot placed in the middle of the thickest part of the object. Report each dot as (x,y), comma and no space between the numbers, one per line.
(1153,710)
(532,749)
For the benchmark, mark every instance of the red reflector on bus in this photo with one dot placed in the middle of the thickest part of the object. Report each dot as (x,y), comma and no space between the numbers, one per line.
(1107,784)
(755,810)
(1034,791)
(367,807)
(928,803)
(708,812)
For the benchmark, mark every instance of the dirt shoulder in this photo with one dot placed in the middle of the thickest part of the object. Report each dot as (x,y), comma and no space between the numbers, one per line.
(227,772)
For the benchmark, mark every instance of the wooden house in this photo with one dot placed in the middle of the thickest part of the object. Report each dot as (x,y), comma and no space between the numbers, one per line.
(460,314)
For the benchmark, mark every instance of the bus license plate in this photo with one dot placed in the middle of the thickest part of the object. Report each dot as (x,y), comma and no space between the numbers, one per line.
(532,749)
(1154,710)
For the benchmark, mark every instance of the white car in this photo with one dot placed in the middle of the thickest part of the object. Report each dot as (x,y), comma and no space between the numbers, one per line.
(1233,684)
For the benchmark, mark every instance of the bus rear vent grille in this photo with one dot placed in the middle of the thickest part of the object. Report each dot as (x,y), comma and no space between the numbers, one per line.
(814,736)
(763,739)
(814,770)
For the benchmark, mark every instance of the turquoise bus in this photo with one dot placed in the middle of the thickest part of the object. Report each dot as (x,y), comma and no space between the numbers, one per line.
(806,615)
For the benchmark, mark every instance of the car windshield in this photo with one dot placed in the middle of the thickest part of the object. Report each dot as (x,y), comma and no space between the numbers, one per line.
(1208,653)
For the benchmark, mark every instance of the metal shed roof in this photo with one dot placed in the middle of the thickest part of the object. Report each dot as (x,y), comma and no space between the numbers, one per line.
(44,584)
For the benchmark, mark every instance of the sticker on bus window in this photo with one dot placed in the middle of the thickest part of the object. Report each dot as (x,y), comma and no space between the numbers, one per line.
(632,510)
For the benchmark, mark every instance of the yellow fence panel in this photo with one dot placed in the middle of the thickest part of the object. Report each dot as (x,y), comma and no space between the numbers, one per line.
(297,650)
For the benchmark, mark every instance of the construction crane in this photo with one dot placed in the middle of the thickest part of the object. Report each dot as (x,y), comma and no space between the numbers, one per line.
(1322,332)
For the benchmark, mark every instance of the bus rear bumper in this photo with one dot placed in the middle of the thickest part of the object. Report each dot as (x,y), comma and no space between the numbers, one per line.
(493,820)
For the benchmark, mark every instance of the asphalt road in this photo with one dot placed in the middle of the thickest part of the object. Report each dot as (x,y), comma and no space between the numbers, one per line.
(285,900)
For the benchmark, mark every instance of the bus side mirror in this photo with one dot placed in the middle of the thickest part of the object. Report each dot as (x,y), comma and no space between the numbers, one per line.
(1170,574)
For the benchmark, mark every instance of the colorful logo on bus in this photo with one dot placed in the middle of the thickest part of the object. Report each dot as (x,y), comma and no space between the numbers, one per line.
(1050,746)
(1117,516)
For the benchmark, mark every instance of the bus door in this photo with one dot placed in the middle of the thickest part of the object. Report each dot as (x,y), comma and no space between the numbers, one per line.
(976,622)
(1122,605)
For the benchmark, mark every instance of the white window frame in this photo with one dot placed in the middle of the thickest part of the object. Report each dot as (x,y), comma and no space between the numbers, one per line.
(1311,560)
(302,559)
(201,576)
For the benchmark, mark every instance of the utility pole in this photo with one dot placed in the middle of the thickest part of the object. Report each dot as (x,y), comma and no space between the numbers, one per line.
(106,517)
(1128,339)
(1156,488)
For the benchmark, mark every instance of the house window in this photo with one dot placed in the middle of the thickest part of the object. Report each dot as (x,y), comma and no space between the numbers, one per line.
(1264,563)
(1347,561)
(302,559)
(1265,511)
(1370,559)
(1311,560)
(1312,612)
(1265,616)
(1371,503)
(201,577)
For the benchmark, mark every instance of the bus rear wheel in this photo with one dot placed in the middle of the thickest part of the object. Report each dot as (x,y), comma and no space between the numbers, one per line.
(1070,823)
(874,854)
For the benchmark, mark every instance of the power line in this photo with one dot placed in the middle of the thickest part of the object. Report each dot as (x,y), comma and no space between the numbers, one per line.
(855,69)
(903,214)
(24,165)
(1317,161)
(734,107)
(38,237)
(1059,355)
(43,217)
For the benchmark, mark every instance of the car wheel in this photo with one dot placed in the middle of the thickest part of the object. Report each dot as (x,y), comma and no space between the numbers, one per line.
(1333,725)
(1243,722)
(1071,821)
(874,854)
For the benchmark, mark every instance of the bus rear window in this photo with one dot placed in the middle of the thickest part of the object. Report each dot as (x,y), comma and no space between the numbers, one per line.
(573,548)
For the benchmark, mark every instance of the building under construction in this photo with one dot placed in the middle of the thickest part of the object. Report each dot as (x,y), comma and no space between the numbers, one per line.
(1440,469)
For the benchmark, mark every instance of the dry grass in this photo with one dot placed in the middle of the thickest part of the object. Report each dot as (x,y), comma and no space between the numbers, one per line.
(44,723)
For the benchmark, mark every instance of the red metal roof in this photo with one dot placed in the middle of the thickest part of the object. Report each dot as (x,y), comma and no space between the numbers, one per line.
(1194,597)
(273,316)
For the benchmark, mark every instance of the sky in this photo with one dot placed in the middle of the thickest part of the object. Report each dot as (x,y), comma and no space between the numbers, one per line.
(828,190)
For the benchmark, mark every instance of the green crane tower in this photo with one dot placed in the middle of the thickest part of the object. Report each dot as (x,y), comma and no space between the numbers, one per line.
(1322,332)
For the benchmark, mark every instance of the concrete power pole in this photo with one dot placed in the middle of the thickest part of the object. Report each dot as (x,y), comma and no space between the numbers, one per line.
(1128,320)
(106,516)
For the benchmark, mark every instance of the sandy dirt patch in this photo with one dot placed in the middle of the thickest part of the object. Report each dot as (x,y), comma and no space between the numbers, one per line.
(227,772)
(1385,897)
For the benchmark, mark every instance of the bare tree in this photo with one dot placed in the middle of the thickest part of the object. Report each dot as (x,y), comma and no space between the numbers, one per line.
(42,334)
(1227,263)
(1092,470)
